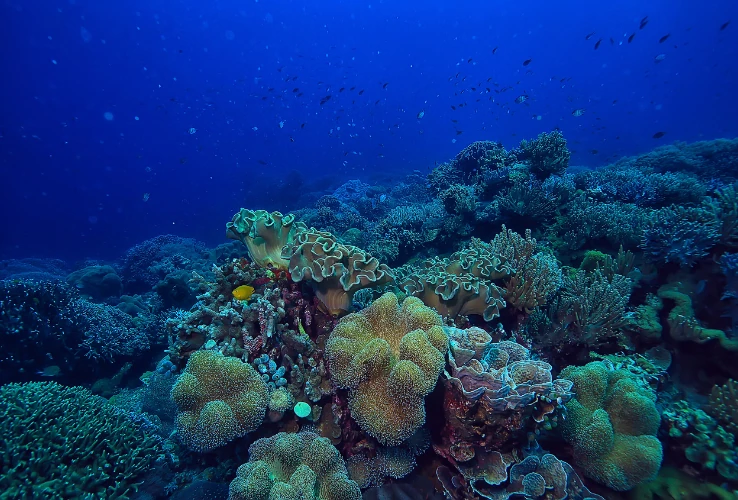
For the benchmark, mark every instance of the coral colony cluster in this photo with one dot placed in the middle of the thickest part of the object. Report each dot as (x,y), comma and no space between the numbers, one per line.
(505,327)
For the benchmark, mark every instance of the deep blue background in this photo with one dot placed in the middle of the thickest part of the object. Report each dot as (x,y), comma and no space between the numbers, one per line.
(73,183)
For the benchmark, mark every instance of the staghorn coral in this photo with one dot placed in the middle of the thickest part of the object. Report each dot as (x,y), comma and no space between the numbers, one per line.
(219,399)
(264,234)
(63,442)
(293,467)
(612,424)
(335,271)
(389,356)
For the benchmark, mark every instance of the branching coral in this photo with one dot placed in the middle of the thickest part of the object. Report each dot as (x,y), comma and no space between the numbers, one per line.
(63,442)
(335,271)
(219,399)
(546,155)
(389,356)
(264,234)
(612,426)
(724,405)
(681,235)
(293,467)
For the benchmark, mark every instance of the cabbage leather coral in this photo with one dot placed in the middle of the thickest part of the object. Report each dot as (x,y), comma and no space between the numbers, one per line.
(264,234)
(493,391)
(219,399)
(612,426)
(287,466)
(461,284)
(335,271)
(389,357)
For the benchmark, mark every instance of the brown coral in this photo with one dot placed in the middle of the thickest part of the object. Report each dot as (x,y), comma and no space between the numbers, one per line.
(264,234)
(389,356)
(335,271)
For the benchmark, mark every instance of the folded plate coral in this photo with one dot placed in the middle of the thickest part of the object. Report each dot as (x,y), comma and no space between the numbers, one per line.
(264,234)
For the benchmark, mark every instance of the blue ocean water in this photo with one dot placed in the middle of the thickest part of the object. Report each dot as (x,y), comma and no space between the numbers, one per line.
(343,250)
(249,77)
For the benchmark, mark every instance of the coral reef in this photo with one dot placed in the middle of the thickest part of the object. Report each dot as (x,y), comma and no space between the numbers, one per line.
(389,356)
(219,398)
(264,234)
(293,466)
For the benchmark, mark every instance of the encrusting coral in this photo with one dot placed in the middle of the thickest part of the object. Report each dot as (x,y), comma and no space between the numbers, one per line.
(389,356)
(335,271)
(612,426)
(219,399)
(299,466)
(264,234)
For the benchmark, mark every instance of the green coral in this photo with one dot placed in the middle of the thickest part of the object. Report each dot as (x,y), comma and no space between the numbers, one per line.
(612,426)
(389,356)
(287,466)
(546,155)
(63,442)
(264,234)
(219,399)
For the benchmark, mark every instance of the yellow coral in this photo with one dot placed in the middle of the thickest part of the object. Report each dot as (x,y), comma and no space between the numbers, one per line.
(219,399)
(389,356)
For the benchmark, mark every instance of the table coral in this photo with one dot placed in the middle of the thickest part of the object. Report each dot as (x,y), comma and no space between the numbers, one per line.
(291,467)
(264,234)
(389,356)
(219,399)
(335,271)
(612,426)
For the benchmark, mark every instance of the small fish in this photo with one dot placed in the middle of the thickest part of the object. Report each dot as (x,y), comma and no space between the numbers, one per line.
(49,371)
(469,60)
(643,23)
(597,43)
(421,115)
(325,100)
(352,89)
(724,25)
(302,125)
(361,91)
(146,197)
(521,98)
(377,101)
(385,85)
(589,35)
(594,151)
(243,292)
(527,62)
(612,41)
(459,132)
(295,90)
(664,38)
(341,89)
(494,51)
(631,37)
(183,160)
(454,121)
(292,139)
(659,58)
(262,162)
(577,112)
(453,107)
(658,135)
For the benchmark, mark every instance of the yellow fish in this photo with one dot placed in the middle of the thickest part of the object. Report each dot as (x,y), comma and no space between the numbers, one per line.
(243,292)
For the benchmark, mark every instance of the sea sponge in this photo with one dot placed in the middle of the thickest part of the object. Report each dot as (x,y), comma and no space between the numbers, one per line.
(293,466)
(612,426)
(219,399)
(264,234)
(389,356)
(335,271)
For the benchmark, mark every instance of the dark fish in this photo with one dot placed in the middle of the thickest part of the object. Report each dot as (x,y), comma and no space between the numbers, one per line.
(180,51)
(664,38)
(302,125)
(597,43)
(341,89)
(352,88)
(459,132)
(594,151)
(644,22)
(612,41)
(262,162)
(494,51)
(521,98)
(294,78)
(658,135)
(527,62)
(264,98)
(631,37)
(295,90)
(590,35)
(300,94)
(377,102)
(455,121)
(385,85)
(469,60)
(724,25)
(325,100)
(453,107)
(292,139)
(361,91)
(183,160)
